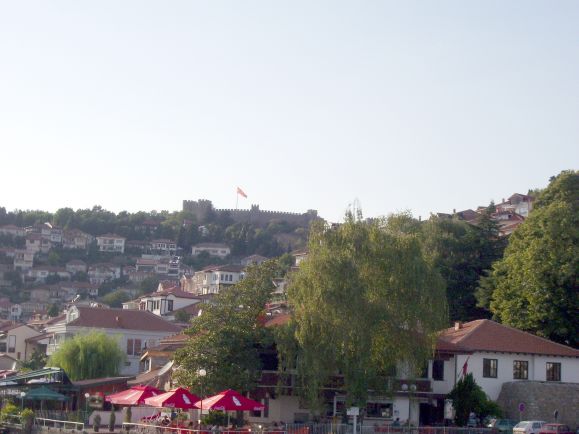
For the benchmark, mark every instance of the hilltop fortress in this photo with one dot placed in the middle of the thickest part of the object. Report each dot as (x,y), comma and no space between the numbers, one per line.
(202,208)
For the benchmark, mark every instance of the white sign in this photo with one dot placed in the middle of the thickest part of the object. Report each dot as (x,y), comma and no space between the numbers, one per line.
(353,411)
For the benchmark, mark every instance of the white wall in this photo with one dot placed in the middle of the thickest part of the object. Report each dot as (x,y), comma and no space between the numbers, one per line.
(492,386)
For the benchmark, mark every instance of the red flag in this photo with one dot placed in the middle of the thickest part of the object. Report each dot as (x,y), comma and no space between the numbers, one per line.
(241,192)
(465,367)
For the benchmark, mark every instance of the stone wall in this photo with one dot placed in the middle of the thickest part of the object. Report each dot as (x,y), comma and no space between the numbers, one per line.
(202,207)
(541,399)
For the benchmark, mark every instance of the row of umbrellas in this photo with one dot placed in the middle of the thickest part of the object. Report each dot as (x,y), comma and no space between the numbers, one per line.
(228,400)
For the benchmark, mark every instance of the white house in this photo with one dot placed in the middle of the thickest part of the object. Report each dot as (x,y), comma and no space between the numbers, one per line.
(99,273)
(164,247)
(76,239)
(152,265)
(213,249)
(165,301)
(111,243)
(13,341)
(212,279)
(23,260)
(13,230)
(76,266)
(497,354)
(136,330)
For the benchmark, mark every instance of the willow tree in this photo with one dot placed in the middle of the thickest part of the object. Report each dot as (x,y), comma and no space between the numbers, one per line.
(86,356)
(365,301)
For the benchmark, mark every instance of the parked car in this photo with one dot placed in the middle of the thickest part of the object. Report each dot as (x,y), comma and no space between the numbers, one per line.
(555,428)
(503,426)
(528,427)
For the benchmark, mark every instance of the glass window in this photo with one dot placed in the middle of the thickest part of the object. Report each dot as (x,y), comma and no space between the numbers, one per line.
(490,368)
(553,371)
(520,370)
(170,305)
(379,409)
(438,370)
(129,347)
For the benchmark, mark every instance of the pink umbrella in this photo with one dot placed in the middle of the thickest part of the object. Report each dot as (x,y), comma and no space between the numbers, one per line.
(230,400)
(177,398)
(133,396)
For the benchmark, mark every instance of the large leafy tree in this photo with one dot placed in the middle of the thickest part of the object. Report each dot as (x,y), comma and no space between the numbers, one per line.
(225,340)
(462,253)
(86,356)
(365,300)
(535,284)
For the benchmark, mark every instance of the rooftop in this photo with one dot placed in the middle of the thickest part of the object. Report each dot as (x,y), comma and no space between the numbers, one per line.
(487,335)
(124,319)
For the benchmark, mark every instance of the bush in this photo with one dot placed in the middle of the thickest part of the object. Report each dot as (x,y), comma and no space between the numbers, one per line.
(215,418)
(8,409)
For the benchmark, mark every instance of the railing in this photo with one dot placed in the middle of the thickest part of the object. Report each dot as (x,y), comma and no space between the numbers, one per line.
(310,428)
(13,419)
(59,424)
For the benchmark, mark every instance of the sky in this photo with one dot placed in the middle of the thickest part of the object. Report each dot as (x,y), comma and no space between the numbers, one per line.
(426,106)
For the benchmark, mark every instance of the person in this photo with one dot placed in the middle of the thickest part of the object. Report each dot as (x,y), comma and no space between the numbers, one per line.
(165,421)
(396,422)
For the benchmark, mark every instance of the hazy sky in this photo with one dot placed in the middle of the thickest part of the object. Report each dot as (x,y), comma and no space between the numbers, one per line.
(419,105)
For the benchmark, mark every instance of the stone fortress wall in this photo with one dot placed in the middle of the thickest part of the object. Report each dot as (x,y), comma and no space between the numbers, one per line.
(200,208)
(540,400)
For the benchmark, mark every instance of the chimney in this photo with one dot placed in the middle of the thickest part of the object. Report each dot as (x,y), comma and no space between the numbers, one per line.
(457,325)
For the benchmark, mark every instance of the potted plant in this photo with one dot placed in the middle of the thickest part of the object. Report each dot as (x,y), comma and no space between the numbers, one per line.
(96,422)
(27,416)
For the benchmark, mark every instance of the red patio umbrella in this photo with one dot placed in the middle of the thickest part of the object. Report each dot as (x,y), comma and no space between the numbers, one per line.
(230,400)
(177,398)
(134,396)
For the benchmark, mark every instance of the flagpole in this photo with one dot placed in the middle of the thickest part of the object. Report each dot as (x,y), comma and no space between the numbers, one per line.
(236,200)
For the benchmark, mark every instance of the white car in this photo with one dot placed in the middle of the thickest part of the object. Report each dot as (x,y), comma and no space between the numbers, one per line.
(528,427)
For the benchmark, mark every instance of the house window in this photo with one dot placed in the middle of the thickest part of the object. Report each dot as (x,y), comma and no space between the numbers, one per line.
(11,344)
(553,371)
(520,370)
(262,413)
(438,370)
(133,347)
(170,305)
(379,409)
(490,368)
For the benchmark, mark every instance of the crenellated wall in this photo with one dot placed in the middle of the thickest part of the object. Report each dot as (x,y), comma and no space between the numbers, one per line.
(200,208)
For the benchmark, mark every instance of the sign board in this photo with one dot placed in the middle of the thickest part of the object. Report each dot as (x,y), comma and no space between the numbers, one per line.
(521,406)
(353,411)
(448,409)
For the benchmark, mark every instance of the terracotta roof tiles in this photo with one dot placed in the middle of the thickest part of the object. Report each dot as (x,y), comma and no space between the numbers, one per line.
(487,335)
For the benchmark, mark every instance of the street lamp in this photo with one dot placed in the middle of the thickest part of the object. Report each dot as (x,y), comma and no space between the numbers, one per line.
(410,390)
(86,397)
(22,395)
(202,373)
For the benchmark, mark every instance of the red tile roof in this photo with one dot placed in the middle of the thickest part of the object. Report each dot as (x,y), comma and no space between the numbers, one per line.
(487,335)
(282,319)
(125,319)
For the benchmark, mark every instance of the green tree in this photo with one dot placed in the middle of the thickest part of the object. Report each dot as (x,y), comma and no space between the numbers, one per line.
(116,298)
(462,252)
(535,284)
(468,396)
(226,338)
(54,310)
(87,356)
(37,361)
(365,299)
